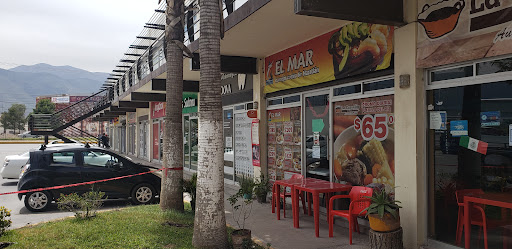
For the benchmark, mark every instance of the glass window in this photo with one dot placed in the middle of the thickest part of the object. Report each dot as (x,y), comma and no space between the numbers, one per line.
(483,113)
(497,66)
(347,90)
(275,101)
(100,159)
(291,99)
(390,83)
(453,73)
(284,155)
(63,158)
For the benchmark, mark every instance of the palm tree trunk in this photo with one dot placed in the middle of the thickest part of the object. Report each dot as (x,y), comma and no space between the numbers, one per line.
(210,220)
(172,192)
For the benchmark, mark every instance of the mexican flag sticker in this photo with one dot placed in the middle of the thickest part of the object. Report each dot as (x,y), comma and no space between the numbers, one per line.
(473,144)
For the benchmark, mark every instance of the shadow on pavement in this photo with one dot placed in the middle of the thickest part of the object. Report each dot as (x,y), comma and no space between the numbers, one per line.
(10,183)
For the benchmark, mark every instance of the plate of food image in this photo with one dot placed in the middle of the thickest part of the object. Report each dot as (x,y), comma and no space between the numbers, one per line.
(363,162)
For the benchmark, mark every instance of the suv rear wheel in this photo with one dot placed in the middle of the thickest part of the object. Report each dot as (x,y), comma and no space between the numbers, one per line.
(143,194)
(38,201)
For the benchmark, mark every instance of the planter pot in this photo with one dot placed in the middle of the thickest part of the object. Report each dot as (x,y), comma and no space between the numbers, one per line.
(386,224)
(247,196)
(238,237)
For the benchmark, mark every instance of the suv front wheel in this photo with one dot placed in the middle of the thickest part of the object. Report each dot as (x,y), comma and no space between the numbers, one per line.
(38,201)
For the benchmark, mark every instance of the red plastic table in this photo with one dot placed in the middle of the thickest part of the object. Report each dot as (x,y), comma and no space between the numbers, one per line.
(503,200)
(285,183)
(315,187)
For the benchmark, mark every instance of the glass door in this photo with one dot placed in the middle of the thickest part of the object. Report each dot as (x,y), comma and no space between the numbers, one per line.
(186,142)
(194,150)
(316,135)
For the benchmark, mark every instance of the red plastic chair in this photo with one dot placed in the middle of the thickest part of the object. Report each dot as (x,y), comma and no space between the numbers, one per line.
(358,202)
(477,216)
(283,196)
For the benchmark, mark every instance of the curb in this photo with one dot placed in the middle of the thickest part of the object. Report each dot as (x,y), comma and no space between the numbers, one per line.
(22,142)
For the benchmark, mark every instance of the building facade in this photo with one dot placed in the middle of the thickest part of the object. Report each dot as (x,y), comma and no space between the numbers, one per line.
(316,96)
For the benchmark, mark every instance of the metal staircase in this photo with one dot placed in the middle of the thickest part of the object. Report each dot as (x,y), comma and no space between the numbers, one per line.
(60,124)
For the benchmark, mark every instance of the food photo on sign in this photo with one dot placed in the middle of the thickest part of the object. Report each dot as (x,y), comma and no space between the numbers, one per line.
(364,142)
(284,153)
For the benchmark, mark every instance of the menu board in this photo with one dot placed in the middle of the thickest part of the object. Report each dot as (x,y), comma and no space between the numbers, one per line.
(364,142)
(284,140)
(243,145)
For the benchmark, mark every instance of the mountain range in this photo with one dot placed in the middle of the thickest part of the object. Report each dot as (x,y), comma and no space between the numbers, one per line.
(23,84)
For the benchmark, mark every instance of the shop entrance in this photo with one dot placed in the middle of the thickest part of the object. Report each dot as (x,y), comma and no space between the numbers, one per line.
(316,134)
(190,142)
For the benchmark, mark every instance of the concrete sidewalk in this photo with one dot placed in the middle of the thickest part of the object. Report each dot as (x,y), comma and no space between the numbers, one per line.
(281,234)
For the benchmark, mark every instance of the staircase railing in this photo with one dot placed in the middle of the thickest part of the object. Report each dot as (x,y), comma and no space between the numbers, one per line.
(53,123)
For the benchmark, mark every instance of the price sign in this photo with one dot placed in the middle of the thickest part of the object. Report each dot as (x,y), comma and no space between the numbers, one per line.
(288,128)
(272,152)
(374,126)
(288,154)
(272,128)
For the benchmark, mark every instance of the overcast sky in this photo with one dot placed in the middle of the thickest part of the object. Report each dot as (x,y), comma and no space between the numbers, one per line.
(87,34)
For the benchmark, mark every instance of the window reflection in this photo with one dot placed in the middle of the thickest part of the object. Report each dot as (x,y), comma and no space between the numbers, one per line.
(452,167)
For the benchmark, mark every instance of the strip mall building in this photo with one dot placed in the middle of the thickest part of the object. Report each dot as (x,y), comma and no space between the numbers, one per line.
(312,89)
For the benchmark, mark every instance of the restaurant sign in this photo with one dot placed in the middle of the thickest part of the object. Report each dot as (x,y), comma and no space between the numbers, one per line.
(353,49)
(461,30)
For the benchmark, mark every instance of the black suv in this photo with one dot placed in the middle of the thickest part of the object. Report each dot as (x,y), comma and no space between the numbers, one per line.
(68,165)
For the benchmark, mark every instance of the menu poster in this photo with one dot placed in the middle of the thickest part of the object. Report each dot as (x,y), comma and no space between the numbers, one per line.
(255,142)
(364,142)
(284,139)
(243,145)
(271,133)
(288,132)
(271,156)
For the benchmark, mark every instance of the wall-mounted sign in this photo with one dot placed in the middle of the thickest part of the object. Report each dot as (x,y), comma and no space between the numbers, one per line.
(234,83)
(157,109)
(252,113)
(59,100)
(462,30)
(353,49)
(132,118)
(190,102)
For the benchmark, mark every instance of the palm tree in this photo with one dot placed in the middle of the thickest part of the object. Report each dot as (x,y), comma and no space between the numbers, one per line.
(210,220)
(172,191)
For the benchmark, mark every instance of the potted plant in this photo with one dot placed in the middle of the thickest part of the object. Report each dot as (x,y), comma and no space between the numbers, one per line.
(383,212)
(241,203)
(246,186)
(189,186)
(262,188)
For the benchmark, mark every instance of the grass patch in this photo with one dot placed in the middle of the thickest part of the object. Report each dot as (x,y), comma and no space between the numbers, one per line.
(144,226)
(133,227)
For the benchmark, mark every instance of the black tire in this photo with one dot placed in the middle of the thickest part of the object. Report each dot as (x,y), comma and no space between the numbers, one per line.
(143,194)
(38,201)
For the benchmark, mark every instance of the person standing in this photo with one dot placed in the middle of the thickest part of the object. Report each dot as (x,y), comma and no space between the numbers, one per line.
(106,141)
(99,139)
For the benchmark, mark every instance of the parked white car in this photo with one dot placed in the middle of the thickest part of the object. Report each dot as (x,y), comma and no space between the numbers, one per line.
(12,165)
(26,134)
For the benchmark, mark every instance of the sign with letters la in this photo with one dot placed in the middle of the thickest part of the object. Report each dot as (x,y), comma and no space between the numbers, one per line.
(461,30)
